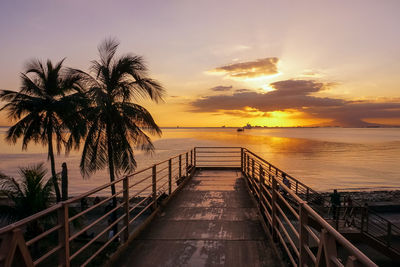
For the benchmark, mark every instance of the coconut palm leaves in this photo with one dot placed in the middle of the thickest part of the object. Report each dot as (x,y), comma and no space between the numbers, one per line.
(117,125)
(58,108)
(29,194)
(47,106)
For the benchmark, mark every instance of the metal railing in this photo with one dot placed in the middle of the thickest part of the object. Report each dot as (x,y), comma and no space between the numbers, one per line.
(75,233)
(366,221)
(286,207)
(223,157)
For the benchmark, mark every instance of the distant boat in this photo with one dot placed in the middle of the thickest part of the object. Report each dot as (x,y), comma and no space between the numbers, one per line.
(223,126)
(248,126)
(240,129)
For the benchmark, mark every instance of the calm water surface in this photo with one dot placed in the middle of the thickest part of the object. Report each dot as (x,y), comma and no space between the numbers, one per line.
(323,158)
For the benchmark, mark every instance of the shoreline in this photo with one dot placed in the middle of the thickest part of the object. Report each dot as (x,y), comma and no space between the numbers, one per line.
(371,197)
(380,201)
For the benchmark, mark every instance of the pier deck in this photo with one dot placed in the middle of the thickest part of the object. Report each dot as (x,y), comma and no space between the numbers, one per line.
(211,222)
(216,204)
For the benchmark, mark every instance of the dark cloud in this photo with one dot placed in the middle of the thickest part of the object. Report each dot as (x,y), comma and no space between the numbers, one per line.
(221,88)
(298,87)
(250,69)
(242,90)
(352,113)
(291,94)
(296,95)
(247,113)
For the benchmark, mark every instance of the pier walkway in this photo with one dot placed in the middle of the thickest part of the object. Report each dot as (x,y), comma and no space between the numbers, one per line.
(211,222)
(210,206)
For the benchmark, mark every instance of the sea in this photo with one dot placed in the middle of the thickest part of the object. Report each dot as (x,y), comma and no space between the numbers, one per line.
(348,159)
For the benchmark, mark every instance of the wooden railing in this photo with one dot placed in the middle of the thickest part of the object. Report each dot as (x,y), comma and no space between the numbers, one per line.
(86,229)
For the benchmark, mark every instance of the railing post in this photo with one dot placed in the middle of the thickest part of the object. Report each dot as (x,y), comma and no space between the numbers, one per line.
(154,186)
(273,204)
(337,216)
(261,183)
(194,157)
(241,160)
(126,201)
(244,163)
(63,235)
(252,169)
(389,233)
(180,166)
(362,219)
(191,157)
(307,193)
(248,166)
(303,235)
(169,177)
(366,217)
(187,164)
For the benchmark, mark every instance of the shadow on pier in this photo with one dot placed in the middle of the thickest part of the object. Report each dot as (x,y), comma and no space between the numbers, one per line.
(210,206)
(211,222)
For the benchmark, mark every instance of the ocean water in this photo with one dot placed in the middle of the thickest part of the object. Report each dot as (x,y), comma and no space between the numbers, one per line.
(323,158)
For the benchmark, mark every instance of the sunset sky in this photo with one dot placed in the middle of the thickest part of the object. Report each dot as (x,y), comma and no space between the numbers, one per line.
(269,63)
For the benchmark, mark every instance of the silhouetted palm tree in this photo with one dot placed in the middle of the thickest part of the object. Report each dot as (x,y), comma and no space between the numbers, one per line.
(28,195)
(46,108)
(117,124)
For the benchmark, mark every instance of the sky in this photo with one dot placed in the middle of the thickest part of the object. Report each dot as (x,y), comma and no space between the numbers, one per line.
(267,63)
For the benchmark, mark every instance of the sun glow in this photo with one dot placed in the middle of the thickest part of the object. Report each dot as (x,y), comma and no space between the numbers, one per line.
(261,78)
(267,88)
(290,118)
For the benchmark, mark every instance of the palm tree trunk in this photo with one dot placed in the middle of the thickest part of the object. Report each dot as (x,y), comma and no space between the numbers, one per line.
(112,176)
(53,165)
(64,182)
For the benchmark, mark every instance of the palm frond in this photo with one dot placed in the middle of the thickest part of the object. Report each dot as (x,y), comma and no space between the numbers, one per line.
(29,195)
(35,66)
(107,50)
(114,120)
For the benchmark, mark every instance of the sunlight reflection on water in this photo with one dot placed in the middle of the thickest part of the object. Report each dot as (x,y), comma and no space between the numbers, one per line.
(323,158)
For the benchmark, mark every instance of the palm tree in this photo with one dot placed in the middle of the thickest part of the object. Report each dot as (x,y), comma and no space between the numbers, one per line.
(117,124)
(46,107)
(29,195)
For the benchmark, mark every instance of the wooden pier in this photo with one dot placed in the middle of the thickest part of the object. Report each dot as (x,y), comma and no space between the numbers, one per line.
(211,222)
(210,206)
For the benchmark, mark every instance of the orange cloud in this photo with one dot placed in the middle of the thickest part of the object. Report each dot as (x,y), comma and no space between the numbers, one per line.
(250,69)
(298,95)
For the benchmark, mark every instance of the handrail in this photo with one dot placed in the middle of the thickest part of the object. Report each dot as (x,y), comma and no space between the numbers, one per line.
(266,187)
(127,210)
(265,180)
(276,168)
(26,220)
(392,228)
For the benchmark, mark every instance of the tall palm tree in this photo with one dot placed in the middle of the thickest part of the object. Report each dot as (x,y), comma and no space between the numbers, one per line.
(46,108)
(117,124)
(29,194)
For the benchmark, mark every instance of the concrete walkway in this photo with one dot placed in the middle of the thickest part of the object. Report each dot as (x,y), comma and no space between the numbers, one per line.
(211,222)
